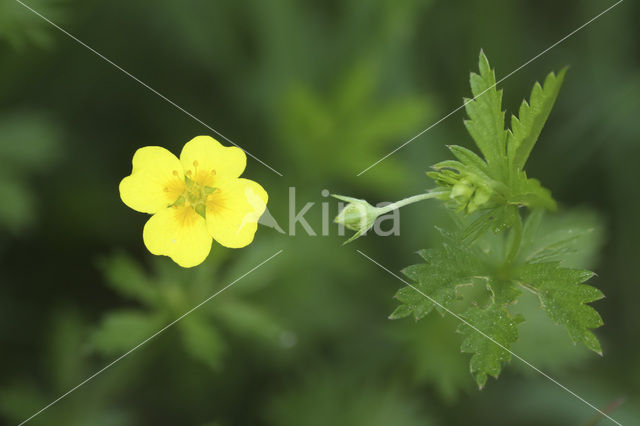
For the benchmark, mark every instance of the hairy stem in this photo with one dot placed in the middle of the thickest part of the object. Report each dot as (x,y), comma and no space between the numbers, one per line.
(410,200)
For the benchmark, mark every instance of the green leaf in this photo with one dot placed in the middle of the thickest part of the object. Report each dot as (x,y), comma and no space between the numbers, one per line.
(126,277)
(120,331)
(528,192)
(486,117)
(526,128)
(572,238)
(248,319)
(438,278)
(21,28)
(488,357)
(503,292)
(544,343)
(470,159)
(503,218)
(401,311)
(564,298)
(497,181)
(477,228)
(432,352)
(202,340)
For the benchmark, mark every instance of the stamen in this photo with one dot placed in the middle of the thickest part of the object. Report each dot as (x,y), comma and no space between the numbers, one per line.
(195,163)
(213,172)
(175,173)
(189,173)
(166,189)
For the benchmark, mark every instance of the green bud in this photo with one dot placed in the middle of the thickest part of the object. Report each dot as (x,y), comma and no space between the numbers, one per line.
(480,197)
(462,191)
(357,216)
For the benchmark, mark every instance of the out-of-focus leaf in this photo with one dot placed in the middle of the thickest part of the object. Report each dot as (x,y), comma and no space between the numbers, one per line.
(355,118)
(120,331)
(29,145)
(337,397)
(571,237)
(30,141)
(20,26)
(248,319)
(433,351)
(202,340)
(18,401)
(129,279)
(65,365)
(17,208)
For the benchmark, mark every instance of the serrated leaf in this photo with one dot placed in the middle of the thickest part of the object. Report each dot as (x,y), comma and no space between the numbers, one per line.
(444,270)
(497,180)
(486,117)
(488,357)
(401,311)
(543,342)
(530,193)
(469,158)
(564,298)
(526,128)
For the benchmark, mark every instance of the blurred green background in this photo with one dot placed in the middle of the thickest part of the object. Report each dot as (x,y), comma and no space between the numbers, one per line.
(319,90)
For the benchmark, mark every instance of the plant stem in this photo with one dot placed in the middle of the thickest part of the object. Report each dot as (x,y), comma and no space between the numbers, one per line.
(410,200)
(517,239)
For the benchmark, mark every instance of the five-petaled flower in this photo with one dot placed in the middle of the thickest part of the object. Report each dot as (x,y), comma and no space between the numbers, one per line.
(194,199)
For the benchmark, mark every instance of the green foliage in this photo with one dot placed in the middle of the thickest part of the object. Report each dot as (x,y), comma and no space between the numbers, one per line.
(440,281)
(526,128)
(167,294)
(20,27)
(531,256)
(436,360)
(564,298)
(444,271)
(235,65)
(497,182)
(353,117)
(66,365)
(332,395)
(572,238)
(488,355)
(28,147)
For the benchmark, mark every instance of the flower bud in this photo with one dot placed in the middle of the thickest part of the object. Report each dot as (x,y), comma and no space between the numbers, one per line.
(357,216)
(462,191)
(480,198)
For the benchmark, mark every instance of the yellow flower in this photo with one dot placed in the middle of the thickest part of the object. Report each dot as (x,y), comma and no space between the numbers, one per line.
(194,199)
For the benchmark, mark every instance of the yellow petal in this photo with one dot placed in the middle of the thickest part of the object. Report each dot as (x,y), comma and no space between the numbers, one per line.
(156,181)
(180,233)
(208,162)
(233,211)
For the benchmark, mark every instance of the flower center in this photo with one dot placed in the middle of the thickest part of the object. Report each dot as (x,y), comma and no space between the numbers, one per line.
(198,186)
